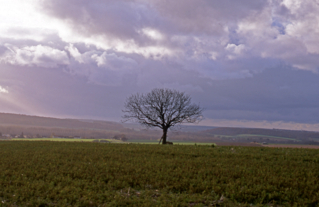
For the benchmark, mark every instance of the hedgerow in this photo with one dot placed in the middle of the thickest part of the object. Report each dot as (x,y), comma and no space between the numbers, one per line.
(95,174)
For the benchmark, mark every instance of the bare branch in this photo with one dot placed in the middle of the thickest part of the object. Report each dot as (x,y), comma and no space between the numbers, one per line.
(161,108)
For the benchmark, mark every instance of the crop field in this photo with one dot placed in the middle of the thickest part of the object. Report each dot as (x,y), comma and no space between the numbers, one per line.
(293,146)
(255,135)
(266,136)
(52,139)
(64,140)
(96,174)
(176,142)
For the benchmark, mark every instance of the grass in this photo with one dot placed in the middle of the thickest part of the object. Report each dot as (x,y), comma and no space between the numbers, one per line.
(255,135)
(64,140)
(94,174)
(174,141)
(53,139)
(292,145)
(260,135)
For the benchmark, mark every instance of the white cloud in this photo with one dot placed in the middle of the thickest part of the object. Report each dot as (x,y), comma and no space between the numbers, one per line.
(152,33)
(41,56)
(288,32)
(74,53)
(114,62)
(3,90)
(292,5)
(235,50)
(217,39)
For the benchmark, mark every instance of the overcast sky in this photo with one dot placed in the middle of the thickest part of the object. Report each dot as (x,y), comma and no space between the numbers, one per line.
(248,63)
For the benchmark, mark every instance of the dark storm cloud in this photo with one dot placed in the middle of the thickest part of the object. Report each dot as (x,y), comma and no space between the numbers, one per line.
(115,18)
(277,94)
(231,38)
(121,17)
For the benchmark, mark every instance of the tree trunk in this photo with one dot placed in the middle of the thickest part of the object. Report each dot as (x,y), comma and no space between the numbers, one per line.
(164,136)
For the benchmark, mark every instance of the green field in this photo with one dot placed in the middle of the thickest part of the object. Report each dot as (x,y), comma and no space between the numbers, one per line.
(64,140)
(255,135)
(266,136)
(52,139)
(175,142)
(94,174)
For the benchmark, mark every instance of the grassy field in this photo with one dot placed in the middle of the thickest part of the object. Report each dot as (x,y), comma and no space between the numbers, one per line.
(255,135)
(175,142)
(265,136)
(95,174)
(64,140)
(52,139)
(292,146)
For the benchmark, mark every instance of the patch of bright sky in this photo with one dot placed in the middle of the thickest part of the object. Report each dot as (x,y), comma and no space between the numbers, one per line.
(11,103)
(18,17)
(24,20)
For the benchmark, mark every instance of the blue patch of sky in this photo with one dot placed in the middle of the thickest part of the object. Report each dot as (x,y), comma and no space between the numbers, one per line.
(233,37)
(279,26)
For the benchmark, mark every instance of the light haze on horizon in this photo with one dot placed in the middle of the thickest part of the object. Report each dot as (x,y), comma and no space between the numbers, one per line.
(248,63)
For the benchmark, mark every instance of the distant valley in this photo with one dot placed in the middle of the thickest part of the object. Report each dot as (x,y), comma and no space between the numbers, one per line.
(24,126)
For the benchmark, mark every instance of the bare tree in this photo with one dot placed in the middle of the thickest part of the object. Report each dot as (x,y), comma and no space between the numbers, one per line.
(163,108)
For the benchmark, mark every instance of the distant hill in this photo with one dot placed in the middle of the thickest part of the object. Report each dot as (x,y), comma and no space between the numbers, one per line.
(179,128)
(34,126)
(13,125)
(36,121)
(293,134)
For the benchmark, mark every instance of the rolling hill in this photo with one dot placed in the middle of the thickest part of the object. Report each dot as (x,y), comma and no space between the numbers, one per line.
(35,126)
(37,121)
(256,134)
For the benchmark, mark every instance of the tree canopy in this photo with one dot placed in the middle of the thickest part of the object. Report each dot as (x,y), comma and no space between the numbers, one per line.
(163,108)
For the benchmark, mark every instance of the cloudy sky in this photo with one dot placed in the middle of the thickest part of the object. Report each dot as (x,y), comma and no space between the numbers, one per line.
(248,63)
